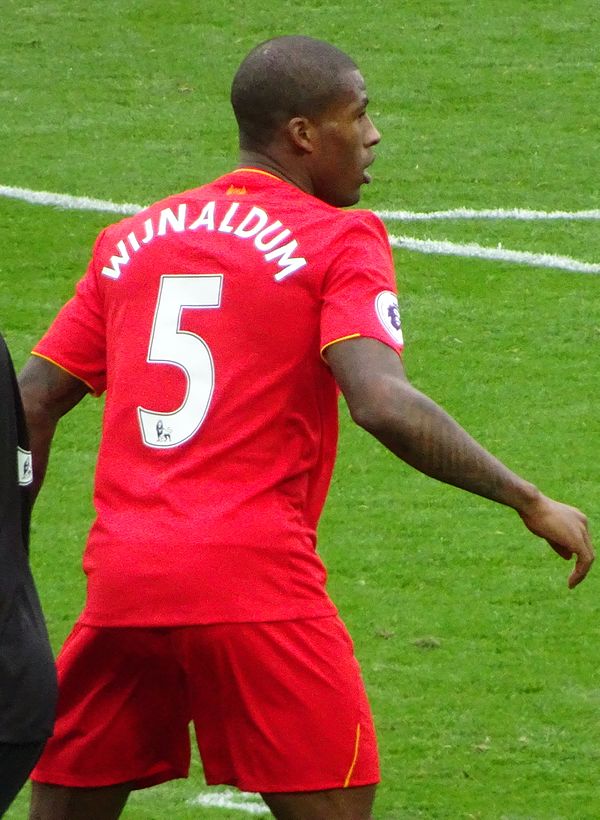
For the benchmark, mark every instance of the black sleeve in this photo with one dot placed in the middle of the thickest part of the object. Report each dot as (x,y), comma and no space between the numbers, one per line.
(27,675)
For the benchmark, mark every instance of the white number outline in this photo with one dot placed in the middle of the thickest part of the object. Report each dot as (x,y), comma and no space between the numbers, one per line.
(192,354)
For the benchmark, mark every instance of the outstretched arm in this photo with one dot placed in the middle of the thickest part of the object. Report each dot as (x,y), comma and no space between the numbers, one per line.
(382,400)
(48,392)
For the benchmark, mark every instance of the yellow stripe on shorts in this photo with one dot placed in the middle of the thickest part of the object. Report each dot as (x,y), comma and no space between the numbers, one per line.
(354,759)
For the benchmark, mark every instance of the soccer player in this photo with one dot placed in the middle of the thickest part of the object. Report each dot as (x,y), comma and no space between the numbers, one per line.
(220,322)
(27,673)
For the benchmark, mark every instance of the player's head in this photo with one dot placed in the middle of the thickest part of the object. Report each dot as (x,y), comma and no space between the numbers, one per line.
(304,100)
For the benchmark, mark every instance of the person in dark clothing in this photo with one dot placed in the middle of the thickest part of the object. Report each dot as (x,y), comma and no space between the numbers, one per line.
(27,673)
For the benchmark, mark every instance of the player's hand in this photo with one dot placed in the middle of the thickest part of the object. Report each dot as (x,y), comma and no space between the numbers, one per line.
(565,529)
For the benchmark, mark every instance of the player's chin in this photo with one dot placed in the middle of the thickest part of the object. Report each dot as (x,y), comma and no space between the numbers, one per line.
(342,196)
(349,197)
(365,179)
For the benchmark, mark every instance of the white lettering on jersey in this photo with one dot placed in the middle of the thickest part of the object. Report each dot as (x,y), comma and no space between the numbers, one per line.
(24,469)
(206,218)
(225,227)
(135,245)
(149,231)
(261,245)
(292,263)
(260,220)
(388,313)
(167,217)
(116,261)
(254,223)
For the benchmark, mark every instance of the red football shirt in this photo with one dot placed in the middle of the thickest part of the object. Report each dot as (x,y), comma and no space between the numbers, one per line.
(204,318)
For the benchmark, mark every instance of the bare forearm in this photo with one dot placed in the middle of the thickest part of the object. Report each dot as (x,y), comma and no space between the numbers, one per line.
(47,393)
(41,432)
(416,429)
(421,433)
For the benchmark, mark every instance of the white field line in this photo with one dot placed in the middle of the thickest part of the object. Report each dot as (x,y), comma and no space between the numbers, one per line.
(470,250)
(73,203)
(240,801)
(486,213)
(474,251)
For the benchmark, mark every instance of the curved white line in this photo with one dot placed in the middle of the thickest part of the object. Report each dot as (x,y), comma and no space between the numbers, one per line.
(472,250)
(88,203)
(74,203)
(487,213)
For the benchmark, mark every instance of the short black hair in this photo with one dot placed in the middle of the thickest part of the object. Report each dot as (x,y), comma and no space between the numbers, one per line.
(282,78)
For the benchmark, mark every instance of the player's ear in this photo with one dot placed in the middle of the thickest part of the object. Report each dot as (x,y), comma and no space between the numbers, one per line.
(301,132)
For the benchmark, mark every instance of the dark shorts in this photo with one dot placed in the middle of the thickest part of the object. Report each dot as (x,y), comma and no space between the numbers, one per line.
(27,672)
(16,762)
(276,707)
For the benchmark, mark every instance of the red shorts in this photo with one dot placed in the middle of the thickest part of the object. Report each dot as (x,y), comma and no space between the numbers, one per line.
(277,707)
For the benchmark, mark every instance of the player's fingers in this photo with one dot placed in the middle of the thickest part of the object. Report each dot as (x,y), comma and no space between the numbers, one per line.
(582,567)
(585,559)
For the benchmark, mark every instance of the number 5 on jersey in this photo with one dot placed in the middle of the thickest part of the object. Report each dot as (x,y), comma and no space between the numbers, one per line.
(184,349)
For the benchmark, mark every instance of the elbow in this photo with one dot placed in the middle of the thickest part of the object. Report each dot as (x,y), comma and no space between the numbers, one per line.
(374,410)
(48,392)
(392,411)
(371,417)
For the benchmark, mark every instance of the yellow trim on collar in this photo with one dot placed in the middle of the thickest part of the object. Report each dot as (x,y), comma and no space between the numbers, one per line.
(256,171)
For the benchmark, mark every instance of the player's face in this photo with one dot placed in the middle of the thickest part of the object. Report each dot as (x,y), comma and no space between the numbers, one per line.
(344,145)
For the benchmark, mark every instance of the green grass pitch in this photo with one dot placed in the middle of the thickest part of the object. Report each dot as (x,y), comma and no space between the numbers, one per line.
(481,666)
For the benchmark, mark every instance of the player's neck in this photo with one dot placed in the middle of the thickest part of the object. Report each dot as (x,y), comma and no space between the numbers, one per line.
(269,164)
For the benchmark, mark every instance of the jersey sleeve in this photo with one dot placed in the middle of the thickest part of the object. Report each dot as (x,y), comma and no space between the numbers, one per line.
(359,293)
(76,339)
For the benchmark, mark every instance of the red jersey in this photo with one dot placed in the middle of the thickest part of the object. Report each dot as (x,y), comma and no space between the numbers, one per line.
(204,318)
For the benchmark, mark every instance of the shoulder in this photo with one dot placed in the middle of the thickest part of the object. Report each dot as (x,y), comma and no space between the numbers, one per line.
(362,229)
(362,220)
